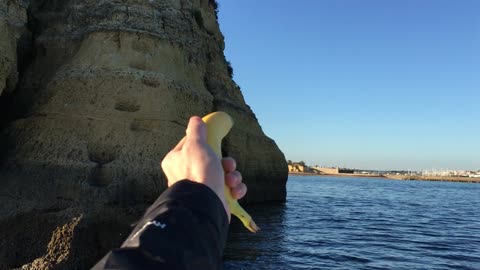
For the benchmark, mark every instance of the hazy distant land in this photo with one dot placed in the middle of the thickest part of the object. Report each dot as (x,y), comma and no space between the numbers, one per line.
(302,169)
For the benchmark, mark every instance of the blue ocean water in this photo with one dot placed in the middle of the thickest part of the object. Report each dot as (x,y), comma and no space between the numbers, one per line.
(362,223)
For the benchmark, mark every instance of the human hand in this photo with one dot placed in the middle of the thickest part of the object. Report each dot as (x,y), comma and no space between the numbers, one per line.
(193,159)
(233,178)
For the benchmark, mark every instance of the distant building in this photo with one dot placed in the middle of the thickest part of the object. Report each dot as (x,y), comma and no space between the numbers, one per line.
(475,174)
(295,167)
(301,167)
(327,170)
(337,170)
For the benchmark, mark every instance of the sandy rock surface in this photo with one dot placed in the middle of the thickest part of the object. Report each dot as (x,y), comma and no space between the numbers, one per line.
(99,93)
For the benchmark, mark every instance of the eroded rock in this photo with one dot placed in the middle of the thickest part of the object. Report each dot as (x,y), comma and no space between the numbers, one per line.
(107,95)
(13,18)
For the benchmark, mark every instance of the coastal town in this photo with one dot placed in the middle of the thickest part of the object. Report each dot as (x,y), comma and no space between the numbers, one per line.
(300,168)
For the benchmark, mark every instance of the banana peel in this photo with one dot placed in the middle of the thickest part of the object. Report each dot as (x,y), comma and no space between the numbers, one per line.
(218,125)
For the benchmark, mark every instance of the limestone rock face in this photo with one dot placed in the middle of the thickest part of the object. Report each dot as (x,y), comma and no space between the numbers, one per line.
(13,17)
(107,92)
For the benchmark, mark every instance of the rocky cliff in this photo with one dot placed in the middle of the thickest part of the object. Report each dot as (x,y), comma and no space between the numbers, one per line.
(13,19)
(93,95)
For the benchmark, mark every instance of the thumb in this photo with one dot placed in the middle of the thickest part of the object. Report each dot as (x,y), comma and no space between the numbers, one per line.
(196,130)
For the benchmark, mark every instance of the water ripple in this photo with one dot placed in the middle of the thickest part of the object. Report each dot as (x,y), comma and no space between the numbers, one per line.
(361,223)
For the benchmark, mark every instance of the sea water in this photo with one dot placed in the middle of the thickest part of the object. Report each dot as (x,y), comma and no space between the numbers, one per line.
(362,223)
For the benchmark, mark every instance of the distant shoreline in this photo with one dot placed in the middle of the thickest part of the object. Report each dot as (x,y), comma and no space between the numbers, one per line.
(396,177)
(336,175)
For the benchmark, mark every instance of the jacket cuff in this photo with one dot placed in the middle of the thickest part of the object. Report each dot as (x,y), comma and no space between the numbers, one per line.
(198,198)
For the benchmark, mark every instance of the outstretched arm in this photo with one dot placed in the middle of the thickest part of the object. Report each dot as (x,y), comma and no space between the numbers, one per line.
(186,228)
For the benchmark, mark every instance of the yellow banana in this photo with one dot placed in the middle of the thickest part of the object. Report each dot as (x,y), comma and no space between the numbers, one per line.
(218,125)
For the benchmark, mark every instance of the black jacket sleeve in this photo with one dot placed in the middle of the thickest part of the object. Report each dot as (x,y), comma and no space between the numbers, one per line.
(186,228)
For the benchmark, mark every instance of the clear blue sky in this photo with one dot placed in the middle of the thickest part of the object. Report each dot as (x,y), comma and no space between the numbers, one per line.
(364,84)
